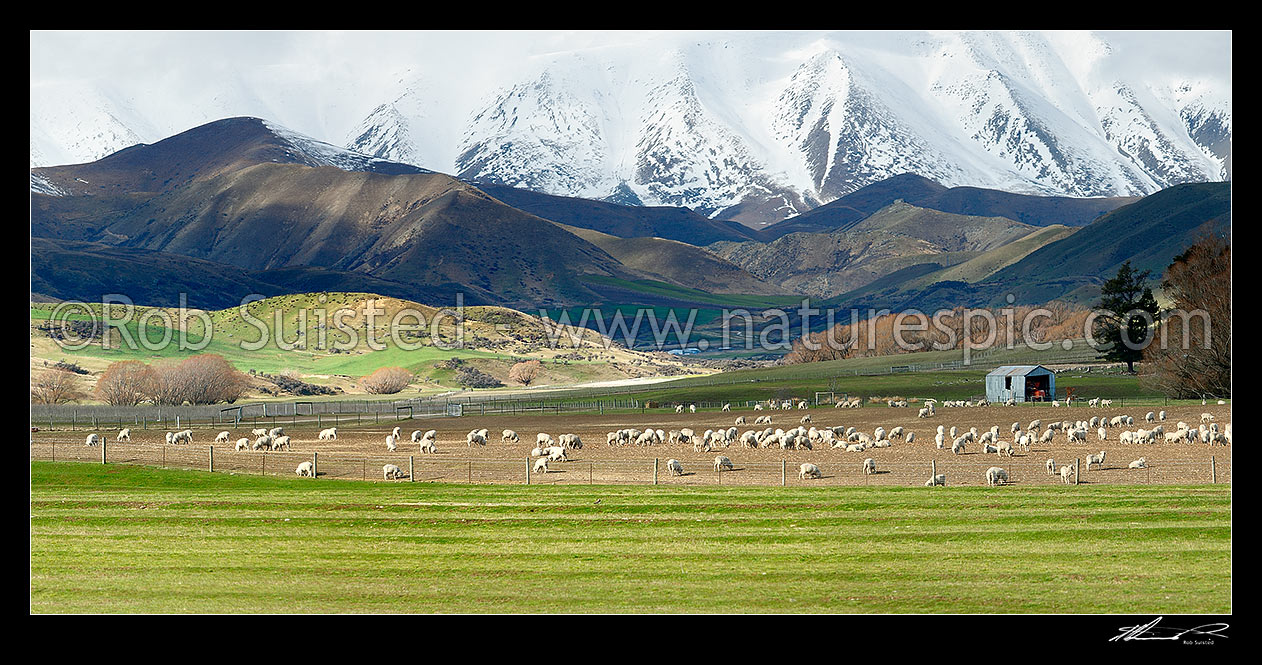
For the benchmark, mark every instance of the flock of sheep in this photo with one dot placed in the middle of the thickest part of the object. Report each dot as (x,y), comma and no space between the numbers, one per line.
(803,437)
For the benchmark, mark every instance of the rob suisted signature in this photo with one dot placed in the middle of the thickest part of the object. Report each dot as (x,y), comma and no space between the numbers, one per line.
(1153,631)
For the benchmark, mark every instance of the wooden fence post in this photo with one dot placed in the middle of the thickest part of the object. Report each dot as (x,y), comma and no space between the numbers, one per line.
(1077,469)
(315,464)
(654,470)
(211,464)
(1213,471)
(411,466)
(782,473)
(527,469)
(103,444)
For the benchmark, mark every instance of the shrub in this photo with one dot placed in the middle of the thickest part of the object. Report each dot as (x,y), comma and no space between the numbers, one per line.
(387,381)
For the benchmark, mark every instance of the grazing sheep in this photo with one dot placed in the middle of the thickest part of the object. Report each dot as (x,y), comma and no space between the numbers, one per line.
(391,472)
(1051,467)
(329,434)
(740,420)
(477,437)
(1161,415)
(679,408)
(183,436)
(541,465)
(1140,463)
(727,407)
(1004,449)
(556,454)
(396,433)
(281,443)
(427,445)
(243,444)
(808,470)
(305,470)
(124,435)
(93,440)
(1150,417)
(692,408)
(911,437)
(869,466)
(263,443)
(721,463)
(258,431)
(996,476)
(1102,433)
(1068,476)
(223,436)
(280,431)
(674,467)
(1207,417)
(390,444)
(957,446)
(936,481)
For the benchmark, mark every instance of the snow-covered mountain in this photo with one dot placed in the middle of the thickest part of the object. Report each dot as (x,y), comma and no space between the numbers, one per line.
(749,126)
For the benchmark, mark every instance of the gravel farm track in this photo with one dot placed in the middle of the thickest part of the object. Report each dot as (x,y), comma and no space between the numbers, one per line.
(360,451)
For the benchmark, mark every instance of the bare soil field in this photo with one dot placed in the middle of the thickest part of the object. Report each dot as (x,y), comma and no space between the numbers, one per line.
(360,452)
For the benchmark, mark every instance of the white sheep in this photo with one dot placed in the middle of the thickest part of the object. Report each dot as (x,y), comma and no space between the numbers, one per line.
(427,445)
(305,470)
(258,431)
(869,466)
(1097,460)
(996,476)
(329,434)
(281,443)
(391,472)
(93,440)
(396,433)
(508,435)
(1140,463)
(390,444)
(280,431)
(243,444)
(1068,476)
(541,465)
(808,470)
(1051,467)
(223,436)
(674,467)
(124,435)
(721,463)
(936,481)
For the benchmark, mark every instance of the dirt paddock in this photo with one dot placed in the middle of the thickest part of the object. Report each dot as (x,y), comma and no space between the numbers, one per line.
(360,452)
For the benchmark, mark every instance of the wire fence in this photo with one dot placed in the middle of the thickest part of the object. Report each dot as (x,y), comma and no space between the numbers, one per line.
(848,472)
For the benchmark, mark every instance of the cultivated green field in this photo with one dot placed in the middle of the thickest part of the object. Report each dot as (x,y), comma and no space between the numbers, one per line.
(135,539)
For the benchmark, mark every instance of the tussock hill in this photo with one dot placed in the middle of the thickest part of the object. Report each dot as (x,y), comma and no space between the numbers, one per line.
(674,223)
(245,205)
(896,237)
(678,263)
(925,193)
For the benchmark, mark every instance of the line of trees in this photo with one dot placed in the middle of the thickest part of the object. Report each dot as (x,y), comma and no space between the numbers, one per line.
(904,332)
(202,379)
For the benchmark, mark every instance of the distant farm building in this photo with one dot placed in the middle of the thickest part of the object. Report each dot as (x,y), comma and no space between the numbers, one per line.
(1022,383)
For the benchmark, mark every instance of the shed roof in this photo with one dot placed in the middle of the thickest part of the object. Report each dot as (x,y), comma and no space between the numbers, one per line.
(1016,370)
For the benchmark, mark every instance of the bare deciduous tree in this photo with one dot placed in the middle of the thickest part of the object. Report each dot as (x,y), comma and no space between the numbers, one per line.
(123,383)
(525,372)
(55,387)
